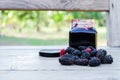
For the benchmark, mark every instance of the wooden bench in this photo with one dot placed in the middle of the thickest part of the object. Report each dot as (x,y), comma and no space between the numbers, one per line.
(24,63)
(109,6)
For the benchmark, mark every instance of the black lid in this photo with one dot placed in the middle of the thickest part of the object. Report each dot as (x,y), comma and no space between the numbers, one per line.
(49,53)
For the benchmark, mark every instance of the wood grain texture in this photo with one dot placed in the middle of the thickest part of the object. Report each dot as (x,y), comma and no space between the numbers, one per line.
(67,5)
(24,63)
(114,23)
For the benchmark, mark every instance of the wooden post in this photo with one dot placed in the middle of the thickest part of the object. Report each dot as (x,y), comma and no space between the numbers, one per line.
(113,29)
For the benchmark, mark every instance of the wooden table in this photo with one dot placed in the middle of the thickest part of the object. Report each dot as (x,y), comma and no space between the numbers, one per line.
(24,63)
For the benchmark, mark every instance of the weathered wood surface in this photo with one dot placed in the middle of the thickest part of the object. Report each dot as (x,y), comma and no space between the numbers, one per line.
(113,28)
(69,5)
(23,63)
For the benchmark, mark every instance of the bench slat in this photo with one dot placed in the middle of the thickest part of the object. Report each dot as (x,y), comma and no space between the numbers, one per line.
(65,5)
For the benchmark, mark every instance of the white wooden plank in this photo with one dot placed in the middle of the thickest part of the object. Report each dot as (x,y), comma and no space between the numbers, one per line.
(60,75)
(113,28)
(69,5)
(31,47)
(30,66)
(20,60)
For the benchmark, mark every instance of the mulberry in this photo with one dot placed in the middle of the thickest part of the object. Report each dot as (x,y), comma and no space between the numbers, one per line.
(91,47)
(82,62)
(77,53)
(85,54)
(88,50)
(108,59)
(62,52)
(70,50)
(67,59)
(101,54)
(81,48)
(94,61)
(103,51)
(93,53)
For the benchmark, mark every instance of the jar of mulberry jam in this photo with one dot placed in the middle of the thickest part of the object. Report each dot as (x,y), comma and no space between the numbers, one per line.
(82,37)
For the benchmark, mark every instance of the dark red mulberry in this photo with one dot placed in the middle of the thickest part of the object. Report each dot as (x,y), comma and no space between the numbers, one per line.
(88,49)
(62,52)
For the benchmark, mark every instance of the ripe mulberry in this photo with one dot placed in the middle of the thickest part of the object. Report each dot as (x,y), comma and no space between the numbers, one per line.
(85,54)
(94,61)
(77,53)
(68,59)
(108,59)
(93,53)
(70,50)
(81,48)
(82,62)
(101,53)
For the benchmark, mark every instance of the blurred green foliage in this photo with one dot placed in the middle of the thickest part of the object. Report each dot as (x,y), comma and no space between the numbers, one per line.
(44,27)
(36,20)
